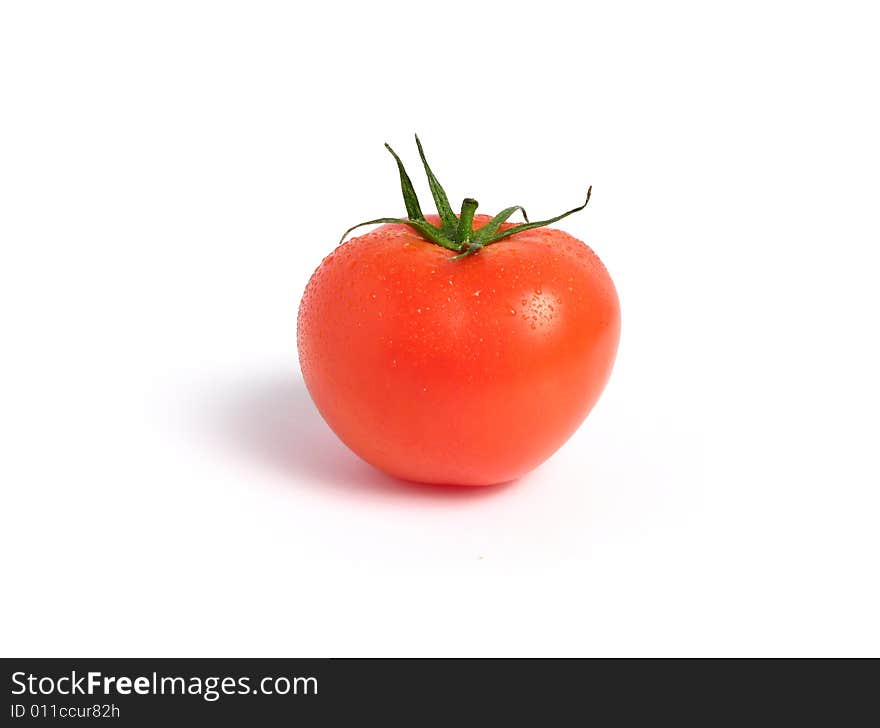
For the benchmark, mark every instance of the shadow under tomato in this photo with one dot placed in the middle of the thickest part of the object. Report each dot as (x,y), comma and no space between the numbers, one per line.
(275,422)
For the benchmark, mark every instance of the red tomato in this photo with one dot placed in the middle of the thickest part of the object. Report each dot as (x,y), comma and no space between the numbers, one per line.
(462,370)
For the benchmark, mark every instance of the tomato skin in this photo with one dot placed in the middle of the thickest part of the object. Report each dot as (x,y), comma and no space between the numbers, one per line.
(470,371)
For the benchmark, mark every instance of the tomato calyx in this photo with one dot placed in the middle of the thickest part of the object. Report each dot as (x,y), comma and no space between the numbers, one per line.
(455,232)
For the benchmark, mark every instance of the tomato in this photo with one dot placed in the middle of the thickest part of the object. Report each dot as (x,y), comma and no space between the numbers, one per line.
(467,369)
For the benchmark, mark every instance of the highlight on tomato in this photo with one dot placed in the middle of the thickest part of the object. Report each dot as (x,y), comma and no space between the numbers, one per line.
(457,348)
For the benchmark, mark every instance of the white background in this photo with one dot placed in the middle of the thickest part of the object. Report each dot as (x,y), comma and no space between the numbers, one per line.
(171,173)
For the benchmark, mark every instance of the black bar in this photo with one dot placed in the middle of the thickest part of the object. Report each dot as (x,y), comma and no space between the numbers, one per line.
(150,692)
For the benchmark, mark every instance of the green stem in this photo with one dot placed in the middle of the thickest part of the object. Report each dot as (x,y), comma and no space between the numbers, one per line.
(466,221)
(456,235)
